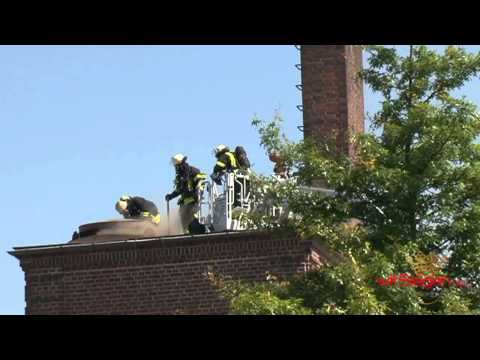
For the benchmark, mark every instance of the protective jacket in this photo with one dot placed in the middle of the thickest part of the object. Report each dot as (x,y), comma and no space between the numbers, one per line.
(226,162)
(189,183)
(138,207)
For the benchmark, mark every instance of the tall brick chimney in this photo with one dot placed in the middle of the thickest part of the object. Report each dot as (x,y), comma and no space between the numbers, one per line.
(333,106)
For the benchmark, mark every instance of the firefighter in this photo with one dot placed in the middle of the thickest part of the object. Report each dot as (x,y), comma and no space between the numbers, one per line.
(189,185)
(137,207)
(226,162)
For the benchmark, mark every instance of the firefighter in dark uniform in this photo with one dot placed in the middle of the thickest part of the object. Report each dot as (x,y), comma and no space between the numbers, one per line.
(189,185)
(226,162)
(137,207)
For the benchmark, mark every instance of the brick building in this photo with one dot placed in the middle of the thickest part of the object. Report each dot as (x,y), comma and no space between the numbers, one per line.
(166,275)
(155,276)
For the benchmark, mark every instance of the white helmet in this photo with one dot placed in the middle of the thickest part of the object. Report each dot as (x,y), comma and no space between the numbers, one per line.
(122,204)
(178,159)
(219,149)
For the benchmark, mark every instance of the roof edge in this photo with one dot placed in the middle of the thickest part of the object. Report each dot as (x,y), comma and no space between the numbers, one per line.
(168,241)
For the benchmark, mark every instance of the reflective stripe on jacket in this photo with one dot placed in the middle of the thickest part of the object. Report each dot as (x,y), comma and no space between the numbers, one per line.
(155,218)
(191,185)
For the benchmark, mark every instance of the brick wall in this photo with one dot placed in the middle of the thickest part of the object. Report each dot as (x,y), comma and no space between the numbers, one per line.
(333,106)
(156,276)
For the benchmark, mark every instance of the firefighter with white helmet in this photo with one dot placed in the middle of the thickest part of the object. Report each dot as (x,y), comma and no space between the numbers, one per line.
(226,162)
(189,185)
(137,207)
(232,162)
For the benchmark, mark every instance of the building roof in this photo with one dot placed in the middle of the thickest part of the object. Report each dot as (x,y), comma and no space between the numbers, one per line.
(164,240)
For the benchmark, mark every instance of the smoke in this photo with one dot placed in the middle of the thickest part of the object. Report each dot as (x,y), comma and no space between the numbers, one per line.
(166,227)
(172,226)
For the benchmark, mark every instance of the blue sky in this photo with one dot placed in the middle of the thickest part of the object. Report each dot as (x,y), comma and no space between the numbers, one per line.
(82,125)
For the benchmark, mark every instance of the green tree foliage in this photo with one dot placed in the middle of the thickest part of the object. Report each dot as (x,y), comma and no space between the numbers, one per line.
(415,187)
(267,298)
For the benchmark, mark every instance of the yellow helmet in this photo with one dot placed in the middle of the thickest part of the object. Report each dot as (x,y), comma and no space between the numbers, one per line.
(219,149)
(178,159)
